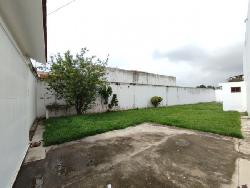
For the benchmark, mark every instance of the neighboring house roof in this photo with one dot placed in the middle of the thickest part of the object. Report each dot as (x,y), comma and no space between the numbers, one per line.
(45,25)
(237,78)
(42,75)
(26,21)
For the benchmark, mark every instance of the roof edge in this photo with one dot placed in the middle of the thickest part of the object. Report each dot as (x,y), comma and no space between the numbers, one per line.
(44,7)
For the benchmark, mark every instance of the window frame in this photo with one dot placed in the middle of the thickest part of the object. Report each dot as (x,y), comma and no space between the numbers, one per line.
(236,89)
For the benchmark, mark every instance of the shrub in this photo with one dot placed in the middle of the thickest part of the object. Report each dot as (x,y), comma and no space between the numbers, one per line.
(113,102)
(76,79)
(105,92)
(156,101)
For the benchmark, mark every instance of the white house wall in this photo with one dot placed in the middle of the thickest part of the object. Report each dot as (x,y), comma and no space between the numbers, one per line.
(234,101)
(17,107)
(246,60)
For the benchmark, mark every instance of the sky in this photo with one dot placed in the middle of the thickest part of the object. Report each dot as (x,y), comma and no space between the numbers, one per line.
(197,41)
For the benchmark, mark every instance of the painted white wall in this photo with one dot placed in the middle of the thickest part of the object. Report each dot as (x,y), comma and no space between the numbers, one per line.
(137,96)
(187,95)
(44,97)
(219,95)
(234,101)
(138,77)
(246,60)
(17,106)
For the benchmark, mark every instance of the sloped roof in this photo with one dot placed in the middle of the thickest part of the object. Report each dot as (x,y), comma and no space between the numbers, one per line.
(26,21)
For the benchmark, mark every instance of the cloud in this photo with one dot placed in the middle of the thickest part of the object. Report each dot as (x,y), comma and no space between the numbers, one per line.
(131,38)
(209,67)
(185,53)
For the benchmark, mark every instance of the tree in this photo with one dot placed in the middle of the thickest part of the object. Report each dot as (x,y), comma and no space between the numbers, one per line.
(77,79)
(156,101)
(113,102)
(201,86)
(211,87)
(105,92)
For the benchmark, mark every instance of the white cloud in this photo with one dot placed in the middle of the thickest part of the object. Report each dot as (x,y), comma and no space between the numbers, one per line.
(132,31)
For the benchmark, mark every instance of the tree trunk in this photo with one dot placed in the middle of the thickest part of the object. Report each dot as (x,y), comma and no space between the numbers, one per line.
(78,107)
(78,111)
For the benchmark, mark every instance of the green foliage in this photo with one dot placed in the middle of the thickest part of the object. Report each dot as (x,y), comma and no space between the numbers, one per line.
(201,86)
(211,87)
(208,117)
(77,79)
(156,101)
(105,92)
(113,102)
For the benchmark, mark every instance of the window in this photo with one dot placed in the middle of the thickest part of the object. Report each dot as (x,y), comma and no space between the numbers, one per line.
(235,89)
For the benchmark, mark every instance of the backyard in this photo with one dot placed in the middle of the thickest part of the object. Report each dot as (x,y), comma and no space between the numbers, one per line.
(207,117)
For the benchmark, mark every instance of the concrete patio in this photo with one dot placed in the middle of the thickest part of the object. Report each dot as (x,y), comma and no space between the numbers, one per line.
(147,155)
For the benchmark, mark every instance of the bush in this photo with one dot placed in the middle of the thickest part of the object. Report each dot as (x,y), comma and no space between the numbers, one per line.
(76,79)
(113,102)
(105,92)
(156,101)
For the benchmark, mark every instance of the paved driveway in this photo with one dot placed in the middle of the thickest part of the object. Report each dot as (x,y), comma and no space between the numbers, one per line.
(136,157)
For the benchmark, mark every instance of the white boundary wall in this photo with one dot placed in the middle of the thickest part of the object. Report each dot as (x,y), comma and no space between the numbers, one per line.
(186,95)
(219,95)
(234,101)
(246,60)
(17,107)
(137,96)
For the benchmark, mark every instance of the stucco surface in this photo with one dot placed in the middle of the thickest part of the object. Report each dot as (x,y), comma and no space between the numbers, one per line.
(233,101)
(17,107)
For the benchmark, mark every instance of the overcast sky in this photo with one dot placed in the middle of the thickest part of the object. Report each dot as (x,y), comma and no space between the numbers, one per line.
(197,41)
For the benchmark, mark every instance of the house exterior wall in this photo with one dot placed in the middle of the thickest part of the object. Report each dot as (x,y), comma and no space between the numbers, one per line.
(234,101)
(138,77)
(17,106)
(246,60)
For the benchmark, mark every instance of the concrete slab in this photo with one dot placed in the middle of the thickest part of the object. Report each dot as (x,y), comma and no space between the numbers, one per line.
(244,144)
(36,153)
(242,173)
(141,156)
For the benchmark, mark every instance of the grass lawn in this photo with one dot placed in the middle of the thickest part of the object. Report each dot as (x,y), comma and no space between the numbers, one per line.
(208,117)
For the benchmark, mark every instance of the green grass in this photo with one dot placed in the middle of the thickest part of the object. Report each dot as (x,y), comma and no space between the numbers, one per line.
(208,117)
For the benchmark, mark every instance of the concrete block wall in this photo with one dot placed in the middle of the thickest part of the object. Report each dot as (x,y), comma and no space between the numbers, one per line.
(132,96)
(189,95)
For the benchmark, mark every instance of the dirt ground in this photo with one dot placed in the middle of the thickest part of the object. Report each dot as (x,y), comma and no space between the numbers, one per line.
(136,157)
